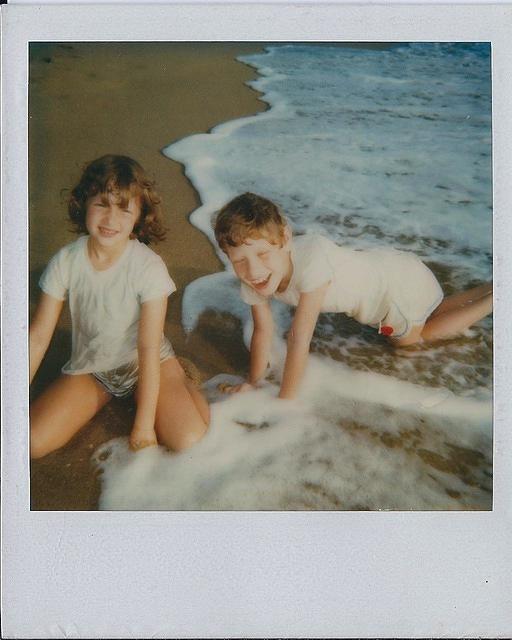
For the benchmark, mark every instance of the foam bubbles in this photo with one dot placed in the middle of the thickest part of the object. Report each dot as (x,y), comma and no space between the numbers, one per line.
(339,447)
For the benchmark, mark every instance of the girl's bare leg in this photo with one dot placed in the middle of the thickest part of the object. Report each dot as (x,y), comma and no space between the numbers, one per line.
(62,410)
(182,413)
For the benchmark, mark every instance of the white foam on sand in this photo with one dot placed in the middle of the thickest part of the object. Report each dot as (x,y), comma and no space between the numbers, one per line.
(354,440)
(319,453)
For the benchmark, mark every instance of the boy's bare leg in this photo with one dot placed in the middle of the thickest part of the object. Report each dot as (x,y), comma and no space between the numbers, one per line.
(449,323)
(453,315)
(412,337)
(464,297)
(62,410)
(182,413)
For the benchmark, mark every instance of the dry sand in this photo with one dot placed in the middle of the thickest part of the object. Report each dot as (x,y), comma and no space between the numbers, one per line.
(89,99)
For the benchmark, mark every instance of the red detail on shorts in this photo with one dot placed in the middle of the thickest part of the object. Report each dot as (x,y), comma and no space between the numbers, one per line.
(386,330)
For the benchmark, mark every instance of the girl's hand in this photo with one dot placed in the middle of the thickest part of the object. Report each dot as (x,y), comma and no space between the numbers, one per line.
(141,437)
(236,388)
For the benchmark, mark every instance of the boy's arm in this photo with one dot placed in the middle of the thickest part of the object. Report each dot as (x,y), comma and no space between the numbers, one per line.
(41,329)
(299,338)
(261,341)
(151,325)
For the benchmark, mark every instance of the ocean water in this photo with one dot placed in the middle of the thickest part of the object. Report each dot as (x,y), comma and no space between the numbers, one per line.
(370,148)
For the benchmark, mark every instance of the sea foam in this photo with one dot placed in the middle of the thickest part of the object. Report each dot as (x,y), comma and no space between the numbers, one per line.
(344,445)
(370,148)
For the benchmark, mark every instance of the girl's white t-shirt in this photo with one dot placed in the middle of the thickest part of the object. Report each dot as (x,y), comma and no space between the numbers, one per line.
(105,305)
(372,286)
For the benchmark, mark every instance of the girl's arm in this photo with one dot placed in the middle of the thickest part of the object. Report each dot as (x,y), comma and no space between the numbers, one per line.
(299,338)
(41,329)
(261,341)
(151,326)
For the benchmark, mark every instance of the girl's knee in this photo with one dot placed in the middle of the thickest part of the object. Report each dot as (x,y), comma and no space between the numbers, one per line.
(187,439)
(183,414)
(39,447)
(191,438)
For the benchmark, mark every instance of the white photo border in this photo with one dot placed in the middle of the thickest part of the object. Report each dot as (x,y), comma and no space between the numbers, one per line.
(239,574)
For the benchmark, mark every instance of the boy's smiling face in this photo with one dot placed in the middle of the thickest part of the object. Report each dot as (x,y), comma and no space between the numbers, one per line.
(264,266)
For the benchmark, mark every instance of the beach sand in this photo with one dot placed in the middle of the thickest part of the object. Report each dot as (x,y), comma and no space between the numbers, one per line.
(89,99)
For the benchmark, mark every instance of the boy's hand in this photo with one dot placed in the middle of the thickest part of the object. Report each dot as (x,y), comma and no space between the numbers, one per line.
(142,437)
(236,388)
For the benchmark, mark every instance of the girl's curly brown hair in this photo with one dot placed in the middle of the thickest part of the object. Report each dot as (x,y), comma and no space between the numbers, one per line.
(249,216)
(127,179)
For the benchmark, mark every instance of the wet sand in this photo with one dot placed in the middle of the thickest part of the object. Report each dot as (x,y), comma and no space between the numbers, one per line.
(89,99)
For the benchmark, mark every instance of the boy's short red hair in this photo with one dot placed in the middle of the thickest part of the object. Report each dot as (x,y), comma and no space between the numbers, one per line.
(249,216)
(126,178)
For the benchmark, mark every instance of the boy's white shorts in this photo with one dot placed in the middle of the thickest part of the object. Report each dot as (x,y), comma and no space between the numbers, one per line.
(413,293)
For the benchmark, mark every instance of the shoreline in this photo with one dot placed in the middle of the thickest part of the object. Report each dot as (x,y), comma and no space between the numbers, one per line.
(215,345)
(195,85)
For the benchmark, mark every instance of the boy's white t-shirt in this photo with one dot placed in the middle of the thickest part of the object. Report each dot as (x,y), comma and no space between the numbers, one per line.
(105,305)
(372,286)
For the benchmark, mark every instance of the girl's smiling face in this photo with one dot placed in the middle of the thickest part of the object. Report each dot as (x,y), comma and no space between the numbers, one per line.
(265,267)
(109,220)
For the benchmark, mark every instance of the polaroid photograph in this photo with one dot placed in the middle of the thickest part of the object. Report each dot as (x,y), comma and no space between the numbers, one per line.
(255,358)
